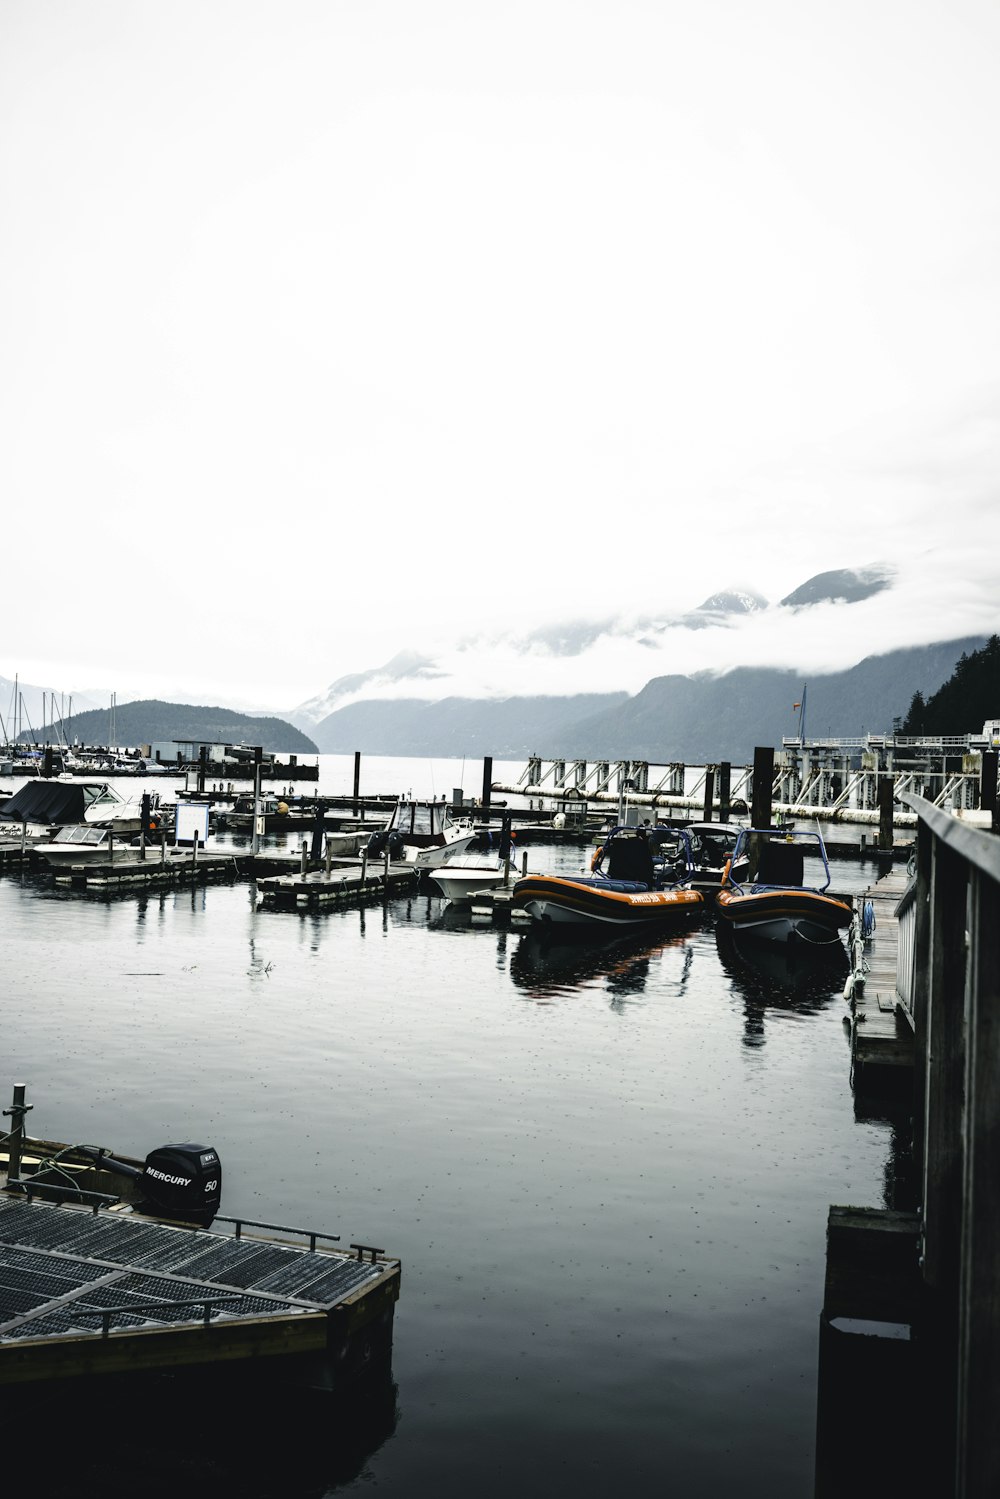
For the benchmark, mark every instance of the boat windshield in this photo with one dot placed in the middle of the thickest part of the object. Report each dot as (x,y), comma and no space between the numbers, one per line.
(421,817)
(80,833)
(100,795)
(777,858)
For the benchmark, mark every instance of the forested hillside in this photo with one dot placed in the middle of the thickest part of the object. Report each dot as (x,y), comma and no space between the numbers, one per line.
(151,721)
(961,705)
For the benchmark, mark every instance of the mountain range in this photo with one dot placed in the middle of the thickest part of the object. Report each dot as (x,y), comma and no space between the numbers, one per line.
(694,719)
(404,707)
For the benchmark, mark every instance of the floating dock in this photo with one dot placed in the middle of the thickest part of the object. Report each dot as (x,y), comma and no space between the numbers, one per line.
(344,881)
(881,1029)
(85,1293)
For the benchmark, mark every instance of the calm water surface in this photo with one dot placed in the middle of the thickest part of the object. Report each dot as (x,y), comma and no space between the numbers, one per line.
(606,1170)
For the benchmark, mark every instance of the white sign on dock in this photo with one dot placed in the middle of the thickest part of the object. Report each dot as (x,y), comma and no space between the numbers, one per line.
(190,822)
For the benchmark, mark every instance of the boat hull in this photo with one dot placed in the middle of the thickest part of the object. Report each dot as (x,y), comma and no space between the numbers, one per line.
(564,902)
(805,916)
(461,882)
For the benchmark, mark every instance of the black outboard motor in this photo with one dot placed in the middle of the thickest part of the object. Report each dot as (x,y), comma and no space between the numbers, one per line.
(182,1182)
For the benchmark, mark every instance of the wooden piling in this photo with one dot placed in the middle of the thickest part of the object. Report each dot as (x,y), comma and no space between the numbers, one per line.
(357,782)
(885,793)
(988,787)
(762,785)
(725,774)
(16,1112)
(487,784)
(709,792)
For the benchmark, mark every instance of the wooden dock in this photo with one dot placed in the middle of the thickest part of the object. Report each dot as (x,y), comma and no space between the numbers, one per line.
(85,1293)
(340,882)
(125,875)
(14,855)
(881,1033)
(934,955)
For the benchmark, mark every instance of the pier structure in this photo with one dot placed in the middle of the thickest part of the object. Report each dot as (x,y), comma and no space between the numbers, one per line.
(845,773)
(836,779)
(912,1299)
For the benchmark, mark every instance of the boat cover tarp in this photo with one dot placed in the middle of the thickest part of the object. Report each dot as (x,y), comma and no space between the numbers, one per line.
(47,802)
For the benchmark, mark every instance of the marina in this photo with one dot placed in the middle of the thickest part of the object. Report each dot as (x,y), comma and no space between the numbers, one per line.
(612,1168)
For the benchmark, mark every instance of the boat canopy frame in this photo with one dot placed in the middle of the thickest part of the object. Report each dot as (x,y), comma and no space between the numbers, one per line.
(778,839)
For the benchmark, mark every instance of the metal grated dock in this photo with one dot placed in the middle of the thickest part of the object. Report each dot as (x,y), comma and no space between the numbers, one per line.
(67,1273)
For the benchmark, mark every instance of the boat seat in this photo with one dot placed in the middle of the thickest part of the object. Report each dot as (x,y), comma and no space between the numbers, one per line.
(713,853)
(599,882)
(630,859)
(780,864)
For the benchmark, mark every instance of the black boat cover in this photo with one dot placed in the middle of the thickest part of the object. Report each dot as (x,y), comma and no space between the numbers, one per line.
(46,801)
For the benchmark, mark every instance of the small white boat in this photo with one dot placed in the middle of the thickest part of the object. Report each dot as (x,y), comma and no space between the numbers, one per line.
(423,833)
(85,844)
(459,882)
(459,840)
(39,805)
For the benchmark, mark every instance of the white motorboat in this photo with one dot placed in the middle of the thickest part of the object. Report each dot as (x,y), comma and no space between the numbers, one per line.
(458,881)
(85,844)
(460,838)
(423,833)
(39,805)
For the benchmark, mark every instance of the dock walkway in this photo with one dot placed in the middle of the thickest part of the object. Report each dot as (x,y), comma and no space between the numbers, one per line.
(881,1034)
(88,1293)
(345,880)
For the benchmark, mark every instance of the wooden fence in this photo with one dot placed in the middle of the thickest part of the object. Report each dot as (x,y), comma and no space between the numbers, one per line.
(950,981)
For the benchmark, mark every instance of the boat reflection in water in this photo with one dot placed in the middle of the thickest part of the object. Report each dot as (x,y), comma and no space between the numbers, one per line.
(550,967)
(770,976)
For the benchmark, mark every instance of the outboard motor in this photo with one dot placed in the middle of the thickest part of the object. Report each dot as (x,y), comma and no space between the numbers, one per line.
(182,1182)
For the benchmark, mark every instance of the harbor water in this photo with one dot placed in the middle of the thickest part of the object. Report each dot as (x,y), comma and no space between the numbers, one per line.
(606,1168)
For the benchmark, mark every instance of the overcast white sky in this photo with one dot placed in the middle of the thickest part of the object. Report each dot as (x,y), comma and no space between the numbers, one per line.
(333,329)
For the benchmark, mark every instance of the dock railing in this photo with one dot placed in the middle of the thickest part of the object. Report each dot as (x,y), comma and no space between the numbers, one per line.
(951,987)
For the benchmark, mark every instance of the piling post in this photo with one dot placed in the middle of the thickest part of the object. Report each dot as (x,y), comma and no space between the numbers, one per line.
(487,785)
(988,788)
(725,772)
(885,793)
(194,850)
(202,760)
(505,850)
(763,782)
(303,859)
(357,780)
(16,1113)
(144,815)
(709,792)
(385,867)
(319,823)
(255,838)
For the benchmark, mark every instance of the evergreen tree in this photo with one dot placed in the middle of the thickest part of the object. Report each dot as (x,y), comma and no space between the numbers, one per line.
(914,723)
(969,697)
